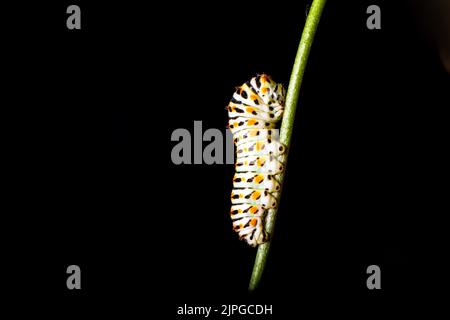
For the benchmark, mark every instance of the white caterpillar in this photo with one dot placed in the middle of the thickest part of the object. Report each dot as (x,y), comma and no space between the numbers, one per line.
(254,111)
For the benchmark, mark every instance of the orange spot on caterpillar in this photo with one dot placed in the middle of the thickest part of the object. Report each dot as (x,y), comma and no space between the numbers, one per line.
(254,209)
(255,195)
(259,178)
(253,222)
(251,122)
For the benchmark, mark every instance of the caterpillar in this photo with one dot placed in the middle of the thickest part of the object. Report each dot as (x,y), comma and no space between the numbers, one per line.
(254,111)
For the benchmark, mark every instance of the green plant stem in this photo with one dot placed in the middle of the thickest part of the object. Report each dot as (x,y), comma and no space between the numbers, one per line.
(312,21)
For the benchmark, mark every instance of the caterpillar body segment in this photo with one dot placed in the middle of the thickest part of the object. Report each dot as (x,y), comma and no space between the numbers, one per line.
(260,148)
(254,197)
(258,181)
(237,124)
(249,135)
(264,163)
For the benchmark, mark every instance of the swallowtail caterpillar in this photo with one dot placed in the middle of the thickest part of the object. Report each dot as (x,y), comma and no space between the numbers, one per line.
(254,111)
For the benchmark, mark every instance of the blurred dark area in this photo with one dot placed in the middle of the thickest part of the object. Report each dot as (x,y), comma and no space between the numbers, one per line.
(88,116)
(433,17)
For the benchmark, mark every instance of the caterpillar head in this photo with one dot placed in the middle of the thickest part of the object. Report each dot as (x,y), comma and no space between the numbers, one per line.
(272,93)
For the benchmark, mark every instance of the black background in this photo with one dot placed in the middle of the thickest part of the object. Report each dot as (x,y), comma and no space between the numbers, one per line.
(90,179)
